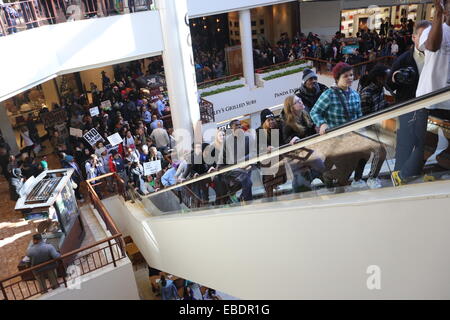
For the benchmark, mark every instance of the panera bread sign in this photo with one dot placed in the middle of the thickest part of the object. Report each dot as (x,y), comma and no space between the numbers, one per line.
(286,93)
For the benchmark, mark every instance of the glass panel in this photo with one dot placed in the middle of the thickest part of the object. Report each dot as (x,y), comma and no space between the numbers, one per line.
(366,154)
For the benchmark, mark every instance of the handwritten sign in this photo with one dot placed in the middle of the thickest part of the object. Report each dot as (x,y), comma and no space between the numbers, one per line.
(152,167)
(76,132)
(50,119)
(92,137)
(94,112)
(110,148)
(62,129)
(106,105)
(115,139)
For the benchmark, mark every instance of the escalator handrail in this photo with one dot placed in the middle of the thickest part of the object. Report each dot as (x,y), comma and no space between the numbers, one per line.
(415,104)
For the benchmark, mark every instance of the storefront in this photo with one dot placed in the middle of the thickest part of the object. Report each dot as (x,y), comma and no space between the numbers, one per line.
(355,20)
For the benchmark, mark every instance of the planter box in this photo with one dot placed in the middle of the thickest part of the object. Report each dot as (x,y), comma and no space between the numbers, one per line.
(259,77)
(223,85)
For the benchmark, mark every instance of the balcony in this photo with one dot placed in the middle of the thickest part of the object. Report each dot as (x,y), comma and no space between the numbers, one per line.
(25,15)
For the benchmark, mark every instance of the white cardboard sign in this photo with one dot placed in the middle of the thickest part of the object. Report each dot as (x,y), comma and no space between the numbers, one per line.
(94,111)
(115,139)
(152,167)
(76,132)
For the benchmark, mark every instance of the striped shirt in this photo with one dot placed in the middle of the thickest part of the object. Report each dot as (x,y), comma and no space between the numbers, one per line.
(329,109)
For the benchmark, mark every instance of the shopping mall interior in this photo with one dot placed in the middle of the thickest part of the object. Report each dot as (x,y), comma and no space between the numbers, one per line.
(183,150)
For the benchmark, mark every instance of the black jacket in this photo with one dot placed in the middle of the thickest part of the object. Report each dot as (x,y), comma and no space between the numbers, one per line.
(402,92)
(306,124)
(310,98)
(262,135)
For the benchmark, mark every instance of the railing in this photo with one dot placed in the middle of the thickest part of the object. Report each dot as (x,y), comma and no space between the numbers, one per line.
(325,66)
(188,196)
(71,266)
(111,181)
(22,15)
(207,114)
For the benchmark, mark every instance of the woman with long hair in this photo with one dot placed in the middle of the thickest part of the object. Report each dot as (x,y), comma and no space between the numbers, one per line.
(297,126)
(297,122)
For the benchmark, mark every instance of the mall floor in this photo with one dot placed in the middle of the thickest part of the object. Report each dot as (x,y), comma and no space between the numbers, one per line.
(15,232)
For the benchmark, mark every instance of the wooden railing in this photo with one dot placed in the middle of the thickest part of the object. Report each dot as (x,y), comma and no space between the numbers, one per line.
(111,180)
(71,266)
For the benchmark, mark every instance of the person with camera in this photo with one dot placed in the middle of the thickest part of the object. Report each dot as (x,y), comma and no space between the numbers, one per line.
(403,82)
(435,42)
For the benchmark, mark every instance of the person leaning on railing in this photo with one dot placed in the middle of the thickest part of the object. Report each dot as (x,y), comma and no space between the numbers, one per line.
(40,253)
(338,106)
(298,125)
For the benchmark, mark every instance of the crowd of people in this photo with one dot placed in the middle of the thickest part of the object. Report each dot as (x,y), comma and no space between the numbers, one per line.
(144,126)
(370,44)
(181,289)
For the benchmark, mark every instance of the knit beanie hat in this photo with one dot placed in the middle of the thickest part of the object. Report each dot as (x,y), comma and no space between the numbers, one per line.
(266,114)
(340,69)
(308,74)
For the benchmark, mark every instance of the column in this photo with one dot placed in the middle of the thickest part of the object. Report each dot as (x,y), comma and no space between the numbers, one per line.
(245,25)
(179,69)
(7,130)
(50,93)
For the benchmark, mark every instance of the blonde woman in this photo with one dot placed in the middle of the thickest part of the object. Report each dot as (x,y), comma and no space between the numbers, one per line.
(297,122)
(298,125)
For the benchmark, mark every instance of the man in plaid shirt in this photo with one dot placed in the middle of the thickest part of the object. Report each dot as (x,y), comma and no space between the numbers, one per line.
(340,105)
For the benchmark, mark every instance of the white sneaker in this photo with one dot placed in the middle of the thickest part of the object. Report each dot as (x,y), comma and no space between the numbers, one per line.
(374,183)
(359,184)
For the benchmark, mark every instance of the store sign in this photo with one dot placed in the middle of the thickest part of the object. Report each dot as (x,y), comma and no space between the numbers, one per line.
(52,118)
(92,137)
(242,101)
(152,167)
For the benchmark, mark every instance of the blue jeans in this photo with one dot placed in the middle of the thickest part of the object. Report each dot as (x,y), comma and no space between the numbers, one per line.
(411,143)
(245,181)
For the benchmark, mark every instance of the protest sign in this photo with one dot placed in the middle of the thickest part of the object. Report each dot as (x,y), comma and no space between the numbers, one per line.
(92,137)
(76,132)
(106,105)
(152,167)
(115,139)
(94,112)
(52,118)
(110,148)
(62,129)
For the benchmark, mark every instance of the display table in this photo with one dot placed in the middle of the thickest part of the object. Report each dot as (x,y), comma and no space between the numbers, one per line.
(50,196)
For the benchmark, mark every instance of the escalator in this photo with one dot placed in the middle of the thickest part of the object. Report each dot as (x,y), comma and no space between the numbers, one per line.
(333,239)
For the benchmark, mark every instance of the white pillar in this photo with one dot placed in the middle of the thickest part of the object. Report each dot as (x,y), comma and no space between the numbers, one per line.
(179,67)
(7,130)
(245,25)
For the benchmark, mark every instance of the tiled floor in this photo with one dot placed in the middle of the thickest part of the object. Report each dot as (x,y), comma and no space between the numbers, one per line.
(16,233)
